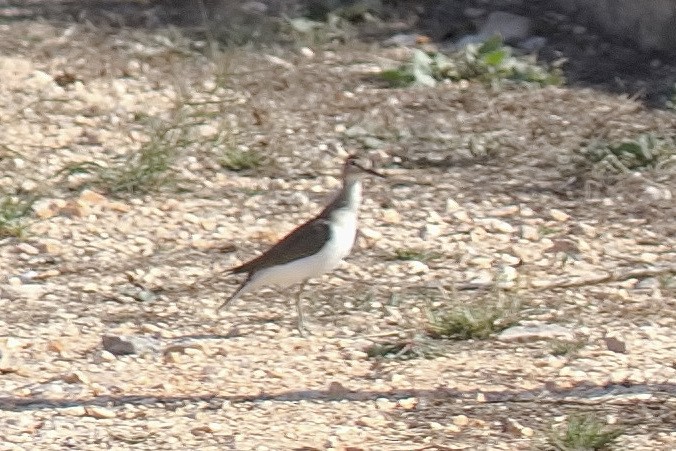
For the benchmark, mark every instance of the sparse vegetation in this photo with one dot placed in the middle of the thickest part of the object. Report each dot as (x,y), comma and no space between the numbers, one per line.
(147,169)
(478,322)
(566,348)
(608,160)
(545,230)
(490,61)
(152,166)
(582,433)
(415,254)
(252,191)
(13,211)
(235,159)
(403,350)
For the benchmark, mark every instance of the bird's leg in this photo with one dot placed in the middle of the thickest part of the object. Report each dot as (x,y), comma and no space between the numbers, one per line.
(301,319)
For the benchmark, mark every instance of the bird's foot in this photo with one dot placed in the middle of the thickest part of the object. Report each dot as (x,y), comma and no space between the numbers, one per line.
(303,330)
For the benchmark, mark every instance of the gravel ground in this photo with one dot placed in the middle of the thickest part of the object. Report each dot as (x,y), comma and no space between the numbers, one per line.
(109,337)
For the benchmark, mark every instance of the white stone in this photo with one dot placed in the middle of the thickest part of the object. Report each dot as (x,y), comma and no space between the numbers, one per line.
(657,193)
(73,411)
(100,412)
(510,259)
(530,233)
(501,226)
(536,332)
(307,52)
(559,215)
(509,210)
(430,231)
(460,420)
(452,206)
(462,216)
(508,274)
(27,249)
(28,185)
(416,267)
(104,356)
(391,215)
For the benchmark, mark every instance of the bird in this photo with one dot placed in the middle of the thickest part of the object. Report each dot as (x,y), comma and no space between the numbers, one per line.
(311,249)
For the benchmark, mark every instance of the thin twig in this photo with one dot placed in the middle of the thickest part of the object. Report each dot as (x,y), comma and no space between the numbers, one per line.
(617,275)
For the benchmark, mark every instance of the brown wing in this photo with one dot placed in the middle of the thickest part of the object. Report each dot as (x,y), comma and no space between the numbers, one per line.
(301,242)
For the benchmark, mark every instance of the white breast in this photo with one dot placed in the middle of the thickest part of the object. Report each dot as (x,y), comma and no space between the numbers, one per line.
(343,223)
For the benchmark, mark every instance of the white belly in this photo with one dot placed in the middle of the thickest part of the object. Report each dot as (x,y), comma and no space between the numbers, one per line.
(343,233)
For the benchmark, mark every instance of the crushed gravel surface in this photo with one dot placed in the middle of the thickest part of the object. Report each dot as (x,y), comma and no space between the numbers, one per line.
(109,338)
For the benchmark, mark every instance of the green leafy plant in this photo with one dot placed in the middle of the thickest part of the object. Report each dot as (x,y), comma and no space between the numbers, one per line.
(398,78)
(584,432)
(489,61)
(422,70)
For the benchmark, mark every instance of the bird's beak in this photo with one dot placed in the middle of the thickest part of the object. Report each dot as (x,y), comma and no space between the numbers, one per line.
(371,171)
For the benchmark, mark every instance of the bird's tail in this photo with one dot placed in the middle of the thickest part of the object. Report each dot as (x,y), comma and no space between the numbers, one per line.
(246,286)
(234,296)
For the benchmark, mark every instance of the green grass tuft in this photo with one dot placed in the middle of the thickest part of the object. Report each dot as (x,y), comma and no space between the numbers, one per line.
(475,322)
(239,160)
(584,432)
(151,167)
(148,169)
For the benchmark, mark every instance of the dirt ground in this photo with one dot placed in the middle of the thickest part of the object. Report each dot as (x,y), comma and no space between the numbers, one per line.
(482,185)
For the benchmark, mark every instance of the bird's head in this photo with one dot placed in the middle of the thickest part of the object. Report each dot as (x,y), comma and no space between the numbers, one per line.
(355,168)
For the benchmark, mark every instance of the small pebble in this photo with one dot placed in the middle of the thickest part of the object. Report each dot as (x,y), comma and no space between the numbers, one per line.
(100,412)
(559,215)
(460,420)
